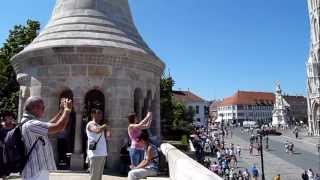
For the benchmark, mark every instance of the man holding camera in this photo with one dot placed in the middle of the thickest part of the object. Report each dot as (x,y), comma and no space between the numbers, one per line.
(41,159)
(97,146)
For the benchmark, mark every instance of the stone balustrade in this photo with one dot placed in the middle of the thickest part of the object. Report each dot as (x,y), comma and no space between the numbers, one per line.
(182,167)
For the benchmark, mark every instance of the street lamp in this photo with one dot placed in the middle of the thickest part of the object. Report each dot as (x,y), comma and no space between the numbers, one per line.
(261,133)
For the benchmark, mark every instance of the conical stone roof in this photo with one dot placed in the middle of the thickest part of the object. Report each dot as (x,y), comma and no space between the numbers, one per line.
(105,23)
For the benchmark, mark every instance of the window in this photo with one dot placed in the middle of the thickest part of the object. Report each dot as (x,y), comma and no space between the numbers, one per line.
(197,109)
(198,119)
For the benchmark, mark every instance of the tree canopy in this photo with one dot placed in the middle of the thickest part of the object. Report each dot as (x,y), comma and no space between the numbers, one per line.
(176,119)
(19,37)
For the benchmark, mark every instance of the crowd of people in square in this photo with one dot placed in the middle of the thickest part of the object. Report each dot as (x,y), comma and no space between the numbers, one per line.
(224,157)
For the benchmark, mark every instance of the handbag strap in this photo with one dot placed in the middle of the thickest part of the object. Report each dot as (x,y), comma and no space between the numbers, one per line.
(99,139)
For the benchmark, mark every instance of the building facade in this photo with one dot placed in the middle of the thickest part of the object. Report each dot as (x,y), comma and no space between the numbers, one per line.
(91,52)
(199,106)
(313,69)
(246,106)
(298,109)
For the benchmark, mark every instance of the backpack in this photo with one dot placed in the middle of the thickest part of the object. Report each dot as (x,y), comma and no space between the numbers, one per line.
(14,156)
(255,172)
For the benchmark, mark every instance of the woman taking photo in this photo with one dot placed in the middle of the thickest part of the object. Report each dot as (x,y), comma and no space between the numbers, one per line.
(134,130)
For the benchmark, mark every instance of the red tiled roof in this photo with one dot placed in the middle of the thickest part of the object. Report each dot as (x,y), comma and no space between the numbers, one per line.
(249,98)
(186,96)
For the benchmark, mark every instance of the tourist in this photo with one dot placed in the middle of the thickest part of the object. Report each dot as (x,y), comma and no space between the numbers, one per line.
(304,175)
(254,172)
(286,146)
(267,142)
(134,129)
(277,177)
(238,150)
(310,174)
(246,174)
(317,177)
(240,176)
(251,148)
(232,174)
(214,167)
(149,166)
(97,145)
(41,159)
(7,125)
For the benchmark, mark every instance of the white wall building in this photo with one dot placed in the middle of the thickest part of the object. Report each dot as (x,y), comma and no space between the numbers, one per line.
(313,69)
(246,106)
(199,105)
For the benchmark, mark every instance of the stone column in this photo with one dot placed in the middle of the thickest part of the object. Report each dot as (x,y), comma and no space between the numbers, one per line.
(77,158)
(119,105)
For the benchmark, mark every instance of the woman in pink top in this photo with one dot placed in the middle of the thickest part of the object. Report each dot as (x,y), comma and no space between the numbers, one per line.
(134,129)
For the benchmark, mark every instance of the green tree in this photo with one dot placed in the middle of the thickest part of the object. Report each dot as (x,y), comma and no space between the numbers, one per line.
(176,119)
(19,37)
(182,118)
(166,84)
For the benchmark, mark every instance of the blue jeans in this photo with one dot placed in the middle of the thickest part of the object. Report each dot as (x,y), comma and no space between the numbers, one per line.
(136,156)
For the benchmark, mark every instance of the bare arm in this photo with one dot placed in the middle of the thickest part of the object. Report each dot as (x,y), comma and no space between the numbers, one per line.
(56,117)
(60,122)
(144,124)
(61,107)
(97,129)
(145,162)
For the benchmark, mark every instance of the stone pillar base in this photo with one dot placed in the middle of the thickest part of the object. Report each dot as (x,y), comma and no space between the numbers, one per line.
(77,162)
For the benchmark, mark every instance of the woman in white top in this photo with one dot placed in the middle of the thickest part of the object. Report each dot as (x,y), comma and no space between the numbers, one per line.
(97,146)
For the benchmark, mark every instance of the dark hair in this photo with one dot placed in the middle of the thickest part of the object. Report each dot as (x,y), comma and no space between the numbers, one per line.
(7,113)
(95,110)
(144,136)
(132,118)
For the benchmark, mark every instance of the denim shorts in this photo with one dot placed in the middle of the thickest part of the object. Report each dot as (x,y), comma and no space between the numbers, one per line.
(136,156)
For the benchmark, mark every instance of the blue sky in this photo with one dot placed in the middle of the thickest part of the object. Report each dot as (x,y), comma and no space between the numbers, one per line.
(212,47)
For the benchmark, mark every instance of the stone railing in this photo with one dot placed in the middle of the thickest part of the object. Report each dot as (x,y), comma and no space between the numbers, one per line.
(182,167)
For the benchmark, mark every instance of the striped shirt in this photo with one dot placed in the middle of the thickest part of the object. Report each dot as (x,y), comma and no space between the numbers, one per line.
(42,157)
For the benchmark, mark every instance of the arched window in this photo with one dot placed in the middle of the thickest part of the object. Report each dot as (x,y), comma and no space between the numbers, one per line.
(94,99)
(137,102)
(65,140)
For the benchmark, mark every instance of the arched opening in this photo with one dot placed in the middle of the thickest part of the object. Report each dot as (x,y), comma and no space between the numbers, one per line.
(137,102)
(93,99)
(66,137)
(147,104)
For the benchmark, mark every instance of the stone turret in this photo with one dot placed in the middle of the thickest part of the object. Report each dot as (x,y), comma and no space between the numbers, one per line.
(91,51)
